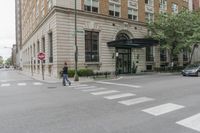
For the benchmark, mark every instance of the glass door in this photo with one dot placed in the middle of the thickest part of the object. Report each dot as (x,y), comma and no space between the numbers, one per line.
(123,61)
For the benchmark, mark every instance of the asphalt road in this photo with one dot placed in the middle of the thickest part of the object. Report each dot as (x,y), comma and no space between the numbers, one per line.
(159,103)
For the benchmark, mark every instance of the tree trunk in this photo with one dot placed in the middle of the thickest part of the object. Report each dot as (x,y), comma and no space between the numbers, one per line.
(190,59)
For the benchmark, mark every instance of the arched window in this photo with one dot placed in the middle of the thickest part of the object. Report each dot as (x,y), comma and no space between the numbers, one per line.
(122,36)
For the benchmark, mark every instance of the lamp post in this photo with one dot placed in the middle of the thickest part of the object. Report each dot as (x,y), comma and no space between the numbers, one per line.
(76,78)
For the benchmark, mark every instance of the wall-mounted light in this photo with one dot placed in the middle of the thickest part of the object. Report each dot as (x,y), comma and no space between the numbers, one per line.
(117,54)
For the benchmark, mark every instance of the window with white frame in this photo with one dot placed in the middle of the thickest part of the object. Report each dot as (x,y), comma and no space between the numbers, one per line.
(91,5)
(174,8)
(37,8)
(149,2)
(114,9)
(49,4)
(163,5)
(149,17)
(133,14)
(42,7)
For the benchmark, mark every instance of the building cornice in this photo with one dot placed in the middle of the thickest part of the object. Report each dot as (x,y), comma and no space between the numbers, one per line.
(82,13)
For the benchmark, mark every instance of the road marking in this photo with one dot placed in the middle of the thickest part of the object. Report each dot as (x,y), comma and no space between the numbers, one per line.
(136,101)
(127,85)
(5,85)
(4,80)
(96,89)
(119,96)
(192,122)
(21,84)
(83,85)
(87,87)
(37,83)
(162,109)
(104,92)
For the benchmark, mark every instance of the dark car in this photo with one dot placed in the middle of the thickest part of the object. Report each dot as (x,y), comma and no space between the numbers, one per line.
(192,70)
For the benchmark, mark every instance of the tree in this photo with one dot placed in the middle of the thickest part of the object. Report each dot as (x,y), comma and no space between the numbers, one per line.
(8,61)
(1,60)
(176,32)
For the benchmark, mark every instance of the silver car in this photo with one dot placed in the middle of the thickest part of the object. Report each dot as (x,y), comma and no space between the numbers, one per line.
(192,70)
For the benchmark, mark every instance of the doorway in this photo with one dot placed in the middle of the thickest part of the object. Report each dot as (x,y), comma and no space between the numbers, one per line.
(123,61)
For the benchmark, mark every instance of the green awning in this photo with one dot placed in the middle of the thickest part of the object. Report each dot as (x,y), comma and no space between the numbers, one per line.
(133,43)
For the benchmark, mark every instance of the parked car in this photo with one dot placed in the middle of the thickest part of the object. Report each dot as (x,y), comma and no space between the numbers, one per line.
(192,70)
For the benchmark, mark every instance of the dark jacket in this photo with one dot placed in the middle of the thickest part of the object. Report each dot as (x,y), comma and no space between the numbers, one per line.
(65,70)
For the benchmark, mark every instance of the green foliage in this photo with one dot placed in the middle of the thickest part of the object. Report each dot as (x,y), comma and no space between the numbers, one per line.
(81,72)
(85,72)
(176,32)
(1,60)
(8,61)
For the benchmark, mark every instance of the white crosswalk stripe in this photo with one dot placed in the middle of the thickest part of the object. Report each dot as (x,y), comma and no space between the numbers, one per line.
(5,85)
(104,92)
(95,89)
(82,85)
(163,109)
(21,84)
(37,83)
(136,101)
(192,122)
(87,87)
(119,96)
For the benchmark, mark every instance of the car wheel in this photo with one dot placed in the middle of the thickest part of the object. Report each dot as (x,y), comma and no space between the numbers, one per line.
(198,74)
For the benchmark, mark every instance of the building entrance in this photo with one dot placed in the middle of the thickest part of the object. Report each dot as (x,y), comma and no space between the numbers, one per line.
(123,62)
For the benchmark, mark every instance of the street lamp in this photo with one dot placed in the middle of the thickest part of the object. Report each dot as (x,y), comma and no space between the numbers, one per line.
(76,78)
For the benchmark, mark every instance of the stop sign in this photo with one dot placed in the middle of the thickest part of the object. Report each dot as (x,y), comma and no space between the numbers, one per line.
(41,56)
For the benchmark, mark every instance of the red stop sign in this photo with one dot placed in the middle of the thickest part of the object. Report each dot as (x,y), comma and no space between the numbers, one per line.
(41,56)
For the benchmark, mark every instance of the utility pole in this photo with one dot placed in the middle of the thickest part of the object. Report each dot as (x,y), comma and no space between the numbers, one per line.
(76,78)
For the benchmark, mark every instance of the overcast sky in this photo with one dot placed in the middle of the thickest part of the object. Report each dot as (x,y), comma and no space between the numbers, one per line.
(7,27)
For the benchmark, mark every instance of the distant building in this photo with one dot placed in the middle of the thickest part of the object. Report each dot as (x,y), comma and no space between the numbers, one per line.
(18,32)
(14,53)
(111,34)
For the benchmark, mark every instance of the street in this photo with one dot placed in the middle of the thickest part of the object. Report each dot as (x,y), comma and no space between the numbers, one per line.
(156,103)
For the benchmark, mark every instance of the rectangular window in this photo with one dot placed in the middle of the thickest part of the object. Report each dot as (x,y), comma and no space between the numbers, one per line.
(163,5)
(114,10)
(149,17)
(49,4)
(163,55)
(37,8)
(42,7)
(91,5)
(91,46)
(38,47)
(149,2)
(174,8)
(132,14)
(149,54)
(43,44)
(51,47)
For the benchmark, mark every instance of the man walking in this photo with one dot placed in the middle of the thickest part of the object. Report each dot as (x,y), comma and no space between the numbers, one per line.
(65,75)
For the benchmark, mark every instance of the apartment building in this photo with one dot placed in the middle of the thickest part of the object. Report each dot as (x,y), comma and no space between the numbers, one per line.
(18,32)
(110,34)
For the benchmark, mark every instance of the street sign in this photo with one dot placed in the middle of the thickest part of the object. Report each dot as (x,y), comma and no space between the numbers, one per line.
(41,56)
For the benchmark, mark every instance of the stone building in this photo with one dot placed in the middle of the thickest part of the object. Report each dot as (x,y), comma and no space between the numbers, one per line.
(110,34)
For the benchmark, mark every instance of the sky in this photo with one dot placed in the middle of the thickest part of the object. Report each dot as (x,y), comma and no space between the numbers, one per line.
(7,27)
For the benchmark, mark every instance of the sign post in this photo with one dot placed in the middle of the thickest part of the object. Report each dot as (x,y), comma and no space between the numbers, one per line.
(41,56)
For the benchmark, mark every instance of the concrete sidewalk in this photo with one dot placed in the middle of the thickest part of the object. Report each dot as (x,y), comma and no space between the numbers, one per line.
(55,80)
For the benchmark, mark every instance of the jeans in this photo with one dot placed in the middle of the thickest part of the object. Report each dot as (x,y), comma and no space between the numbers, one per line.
(65,78)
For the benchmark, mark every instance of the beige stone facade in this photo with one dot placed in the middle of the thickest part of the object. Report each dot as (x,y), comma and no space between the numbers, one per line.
(48,26)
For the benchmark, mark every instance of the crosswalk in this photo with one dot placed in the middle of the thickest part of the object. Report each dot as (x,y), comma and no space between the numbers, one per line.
(20,84)
(131,99)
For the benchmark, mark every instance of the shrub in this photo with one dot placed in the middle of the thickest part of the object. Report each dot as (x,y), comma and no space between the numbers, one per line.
(71,73)
(85,72)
